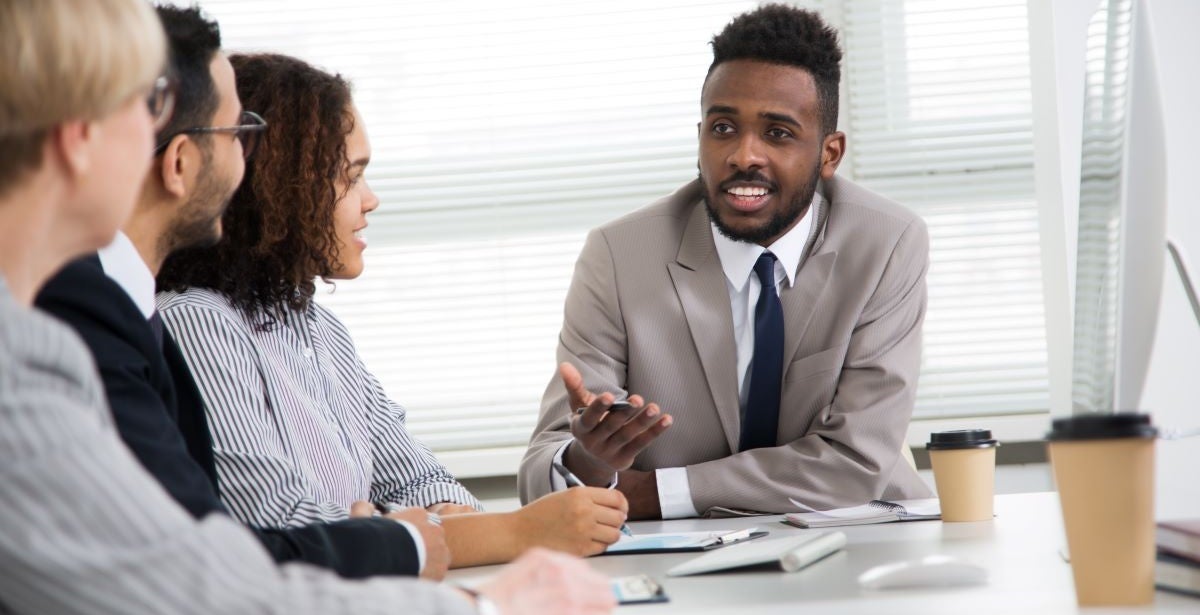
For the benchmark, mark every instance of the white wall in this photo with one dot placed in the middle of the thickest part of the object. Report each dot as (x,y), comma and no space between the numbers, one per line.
(1172,390)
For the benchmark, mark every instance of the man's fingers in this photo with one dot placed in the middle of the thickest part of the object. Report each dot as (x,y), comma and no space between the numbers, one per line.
(595,413)
(643,439)
(634,427)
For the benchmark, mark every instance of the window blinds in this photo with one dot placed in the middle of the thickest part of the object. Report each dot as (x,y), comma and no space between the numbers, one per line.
(503,131)
(940,119)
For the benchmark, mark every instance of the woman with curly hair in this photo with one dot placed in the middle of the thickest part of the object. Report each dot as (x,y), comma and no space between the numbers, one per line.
(302,431)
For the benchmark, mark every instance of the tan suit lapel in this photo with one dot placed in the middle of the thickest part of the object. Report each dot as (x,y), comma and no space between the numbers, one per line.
(700,284)
(812,278)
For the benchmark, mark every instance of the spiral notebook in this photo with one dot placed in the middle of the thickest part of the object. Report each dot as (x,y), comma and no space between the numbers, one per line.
(875,511)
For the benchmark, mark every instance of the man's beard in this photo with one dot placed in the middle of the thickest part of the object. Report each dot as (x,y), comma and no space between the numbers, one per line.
(781,221)
(197,225)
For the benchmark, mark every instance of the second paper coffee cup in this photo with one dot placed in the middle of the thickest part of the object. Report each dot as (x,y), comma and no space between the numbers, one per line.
(964,468)
(1104,470)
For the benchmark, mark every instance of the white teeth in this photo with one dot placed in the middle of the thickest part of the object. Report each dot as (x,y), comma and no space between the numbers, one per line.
(745,191)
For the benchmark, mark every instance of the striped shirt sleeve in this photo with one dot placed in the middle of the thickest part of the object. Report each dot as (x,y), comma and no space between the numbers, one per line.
(405,470)
(260,481)
(85,529)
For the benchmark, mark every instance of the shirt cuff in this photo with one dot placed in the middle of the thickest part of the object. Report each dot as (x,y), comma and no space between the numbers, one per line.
(674,493)
(418,541)
(557,482)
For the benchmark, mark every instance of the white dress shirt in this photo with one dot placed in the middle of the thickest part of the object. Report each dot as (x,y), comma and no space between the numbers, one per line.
(124,265)
(737,261)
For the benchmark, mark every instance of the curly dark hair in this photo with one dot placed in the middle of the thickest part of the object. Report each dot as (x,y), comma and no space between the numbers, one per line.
(279,233)
(780,34)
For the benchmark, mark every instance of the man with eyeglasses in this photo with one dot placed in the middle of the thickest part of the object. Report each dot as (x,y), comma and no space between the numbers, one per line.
(108,298)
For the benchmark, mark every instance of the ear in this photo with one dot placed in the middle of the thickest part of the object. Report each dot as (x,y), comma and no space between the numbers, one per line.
(832,150)
(71,143)
(175,165)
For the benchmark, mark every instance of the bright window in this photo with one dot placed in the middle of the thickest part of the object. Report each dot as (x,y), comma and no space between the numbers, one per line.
(503,131)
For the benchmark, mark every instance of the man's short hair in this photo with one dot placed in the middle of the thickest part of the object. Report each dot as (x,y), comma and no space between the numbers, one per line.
(64,60)
(193,41)
(780,34)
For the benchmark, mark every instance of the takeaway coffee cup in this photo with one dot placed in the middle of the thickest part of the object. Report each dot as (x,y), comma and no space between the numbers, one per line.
(964,468)
(1104,471)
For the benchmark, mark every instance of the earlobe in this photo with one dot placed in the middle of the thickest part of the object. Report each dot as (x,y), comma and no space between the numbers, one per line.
(831,154)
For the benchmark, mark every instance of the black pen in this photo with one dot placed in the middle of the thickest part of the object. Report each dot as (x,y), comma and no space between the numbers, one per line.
(573,481)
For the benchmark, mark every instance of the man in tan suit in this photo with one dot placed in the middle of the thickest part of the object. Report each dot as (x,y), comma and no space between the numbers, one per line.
(773,309)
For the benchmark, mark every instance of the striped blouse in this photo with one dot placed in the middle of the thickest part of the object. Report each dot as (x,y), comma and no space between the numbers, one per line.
(300,428)
(85,529)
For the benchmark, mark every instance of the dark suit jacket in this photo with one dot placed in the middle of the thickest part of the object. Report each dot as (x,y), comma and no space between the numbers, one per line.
(161,418)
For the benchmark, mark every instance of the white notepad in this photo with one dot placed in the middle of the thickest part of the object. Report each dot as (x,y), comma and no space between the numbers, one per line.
(792,554)
(875,511)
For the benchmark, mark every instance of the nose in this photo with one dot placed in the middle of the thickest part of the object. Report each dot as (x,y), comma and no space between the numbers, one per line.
(370,200)
(747,153)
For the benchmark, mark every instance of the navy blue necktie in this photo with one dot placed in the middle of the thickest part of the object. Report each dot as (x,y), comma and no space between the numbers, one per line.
(761,421)
(156,326)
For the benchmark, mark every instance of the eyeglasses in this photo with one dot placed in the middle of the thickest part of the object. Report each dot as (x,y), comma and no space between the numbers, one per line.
(252,124)
(161,101)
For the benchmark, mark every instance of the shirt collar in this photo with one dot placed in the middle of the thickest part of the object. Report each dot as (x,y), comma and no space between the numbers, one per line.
(738,257)
(125,266)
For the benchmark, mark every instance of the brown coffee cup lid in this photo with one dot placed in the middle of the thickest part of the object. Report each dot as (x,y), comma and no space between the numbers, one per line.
(1098,426)
(960,438)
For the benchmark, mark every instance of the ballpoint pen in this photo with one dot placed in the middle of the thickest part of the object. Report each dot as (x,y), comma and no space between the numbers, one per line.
(573,481)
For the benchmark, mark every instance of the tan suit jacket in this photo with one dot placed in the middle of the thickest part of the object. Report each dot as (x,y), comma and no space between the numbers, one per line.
(648,312)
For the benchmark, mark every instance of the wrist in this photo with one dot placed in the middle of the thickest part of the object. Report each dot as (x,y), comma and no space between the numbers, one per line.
(641,491)
(518,529)
(590,469)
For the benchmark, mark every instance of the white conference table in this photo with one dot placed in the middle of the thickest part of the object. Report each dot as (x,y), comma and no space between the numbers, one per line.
(1020,548)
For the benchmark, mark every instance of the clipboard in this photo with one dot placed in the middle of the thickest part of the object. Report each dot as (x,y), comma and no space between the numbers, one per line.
(681,542)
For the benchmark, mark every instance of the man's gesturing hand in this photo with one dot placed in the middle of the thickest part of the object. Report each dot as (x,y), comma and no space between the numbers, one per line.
(607,441)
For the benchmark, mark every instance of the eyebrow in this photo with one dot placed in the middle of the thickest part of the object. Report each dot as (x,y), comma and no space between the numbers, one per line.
(361,162)
(781,118)
(715,109)
(769,115)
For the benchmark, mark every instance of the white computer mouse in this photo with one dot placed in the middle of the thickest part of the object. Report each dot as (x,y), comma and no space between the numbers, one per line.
(930,571)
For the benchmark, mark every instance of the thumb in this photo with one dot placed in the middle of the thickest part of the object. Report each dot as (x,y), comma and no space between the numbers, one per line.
(362,508)
(573,381)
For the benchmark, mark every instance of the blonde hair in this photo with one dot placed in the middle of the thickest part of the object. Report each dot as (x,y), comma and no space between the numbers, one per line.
(66,60)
